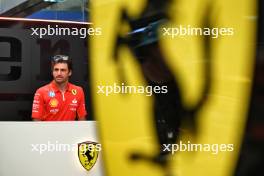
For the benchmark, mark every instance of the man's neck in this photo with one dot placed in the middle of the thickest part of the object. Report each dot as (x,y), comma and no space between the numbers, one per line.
(62,86)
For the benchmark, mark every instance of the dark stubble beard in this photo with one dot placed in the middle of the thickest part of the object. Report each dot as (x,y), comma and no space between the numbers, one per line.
(61,82)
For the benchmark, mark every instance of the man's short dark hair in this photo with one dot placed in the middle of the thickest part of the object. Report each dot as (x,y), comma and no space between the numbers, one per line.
(61,59)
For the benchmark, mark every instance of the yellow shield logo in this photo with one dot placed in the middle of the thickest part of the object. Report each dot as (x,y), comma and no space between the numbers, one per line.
(74,91)
(88,153)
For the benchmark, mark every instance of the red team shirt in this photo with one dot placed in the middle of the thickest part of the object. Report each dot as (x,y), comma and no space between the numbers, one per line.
(50,104)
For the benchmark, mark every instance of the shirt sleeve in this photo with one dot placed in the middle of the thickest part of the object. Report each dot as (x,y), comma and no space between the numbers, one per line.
(81,111)
(38,106)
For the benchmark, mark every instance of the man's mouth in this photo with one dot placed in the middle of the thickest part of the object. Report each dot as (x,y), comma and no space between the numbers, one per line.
(59,77)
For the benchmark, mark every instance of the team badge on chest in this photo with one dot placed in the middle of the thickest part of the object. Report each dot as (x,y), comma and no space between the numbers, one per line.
(74,91)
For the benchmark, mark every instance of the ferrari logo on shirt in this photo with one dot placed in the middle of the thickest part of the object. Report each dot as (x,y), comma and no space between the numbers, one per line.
(88,154)
(53,103)
(74,91)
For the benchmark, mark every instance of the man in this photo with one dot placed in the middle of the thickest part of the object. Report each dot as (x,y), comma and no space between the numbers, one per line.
(59,100)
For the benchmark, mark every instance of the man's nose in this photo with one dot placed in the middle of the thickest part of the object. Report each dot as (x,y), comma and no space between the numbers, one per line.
(59,72)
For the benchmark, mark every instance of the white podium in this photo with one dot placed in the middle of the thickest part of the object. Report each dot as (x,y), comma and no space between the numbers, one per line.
(46,148)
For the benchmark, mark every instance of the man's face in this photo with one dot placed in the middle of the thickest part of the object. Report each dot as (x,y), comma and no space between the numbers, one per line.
(61,73)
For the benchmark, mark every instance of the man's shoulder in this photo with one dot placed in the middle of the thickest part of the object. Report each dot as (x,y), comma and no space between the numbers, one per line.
(44,88)
(73,86)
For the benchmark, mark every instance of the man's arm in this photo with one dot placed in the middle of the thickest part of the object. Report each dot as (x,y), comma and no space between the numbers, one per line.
(81,111)
(34,119)
(37,107)
(81,118)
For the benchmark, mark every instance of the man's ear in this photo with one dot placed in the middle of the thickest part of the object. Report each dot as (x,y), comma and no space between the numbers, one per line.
(70,73)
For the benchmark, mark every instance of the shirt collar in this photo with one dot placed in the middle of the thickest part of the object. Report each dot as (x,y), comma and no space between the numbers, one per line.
(56,89)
